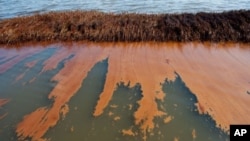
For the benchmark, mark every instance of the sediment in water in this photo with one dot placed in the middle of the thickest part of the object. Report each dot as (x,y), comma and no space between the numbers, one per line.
(97,26)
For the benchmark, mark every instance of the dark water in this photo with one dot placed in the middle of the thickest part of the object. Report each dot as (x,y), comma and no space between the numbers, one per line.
(13,8)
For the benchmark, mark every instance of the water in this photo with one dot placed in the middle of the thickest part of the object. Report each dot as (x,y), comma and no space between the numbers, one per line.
(130,73)
(13,8)
(77,74)
(79,124)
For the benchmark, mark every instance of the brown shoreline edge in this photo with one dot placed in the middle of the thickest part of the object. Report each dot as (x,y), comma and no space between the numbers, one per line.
(233,26)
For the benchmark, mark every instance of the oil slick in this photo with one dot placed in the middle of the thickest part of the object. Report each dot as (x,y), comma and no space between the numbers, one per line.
(218,74)
(69,81)
(15,57)
(2,103)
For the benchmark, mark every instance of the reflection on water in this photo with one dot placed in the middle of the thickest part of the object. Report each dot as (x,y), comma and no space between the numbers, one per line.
(119,91)
(13,8)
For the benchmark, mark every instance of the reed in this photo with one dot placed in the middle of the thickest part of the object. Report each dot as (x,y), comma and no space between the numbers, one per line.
(97,26)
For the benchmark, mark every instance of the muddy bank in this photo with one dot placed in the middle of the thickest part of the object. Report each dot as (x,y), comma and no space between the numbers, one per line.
(96,26)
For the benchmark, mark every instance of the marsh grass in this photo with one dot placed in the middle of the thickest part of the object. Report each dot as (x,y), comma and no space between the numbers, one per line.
(98,26)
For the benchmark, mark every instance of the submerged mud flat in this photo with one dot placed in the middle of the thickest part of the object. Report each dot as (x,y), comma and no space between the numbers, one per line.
(97,26)
(127,91)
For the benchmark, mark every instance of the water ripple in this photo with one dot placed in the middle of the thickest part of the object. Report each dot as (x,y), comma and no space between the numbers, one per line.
(14,8)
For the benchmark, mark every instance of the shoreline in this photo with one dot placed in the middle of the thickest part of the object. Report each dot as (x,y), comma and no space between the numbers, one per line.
(231,26)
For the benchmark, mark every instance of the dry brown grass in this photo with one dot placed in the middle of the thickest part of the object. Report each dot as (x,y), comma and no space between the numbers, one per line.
(97,26)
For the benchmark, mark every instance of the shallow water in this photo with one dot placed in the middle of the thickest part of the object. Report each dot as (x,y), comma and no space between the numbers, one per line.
(123,91)
(13,8)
